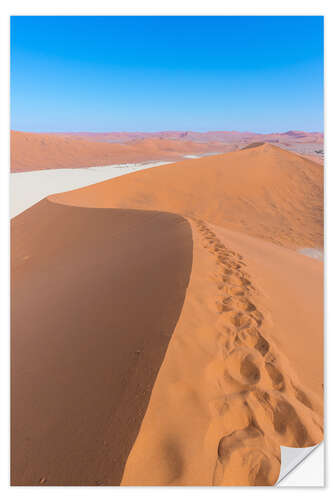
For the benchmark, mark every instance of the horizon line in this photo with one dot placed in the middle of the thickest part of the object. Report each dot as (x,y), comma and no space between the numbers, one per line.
(168,131)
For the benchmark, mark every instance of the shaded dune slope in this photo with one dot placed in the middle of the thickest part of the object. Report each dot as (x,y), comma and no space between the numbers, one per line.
(264,191)
(96,295)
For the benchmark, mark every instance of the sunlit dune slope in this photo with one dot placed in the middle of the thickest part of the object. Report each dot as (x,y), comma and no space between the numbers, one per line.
(264,191)
(243,372)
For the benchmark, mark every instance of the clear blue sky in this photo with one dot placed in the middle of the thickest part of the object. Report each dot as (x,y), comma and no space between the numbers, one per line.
(259,74)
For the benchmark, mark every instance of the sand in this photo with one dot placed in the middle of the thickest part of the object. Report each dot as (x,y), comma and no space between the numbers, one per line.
(240,372)
(91,321)
(229,393)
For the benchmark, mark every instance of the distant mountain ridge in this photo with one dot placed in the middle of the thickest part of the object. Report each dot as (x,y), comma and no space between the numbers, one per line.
(188,135)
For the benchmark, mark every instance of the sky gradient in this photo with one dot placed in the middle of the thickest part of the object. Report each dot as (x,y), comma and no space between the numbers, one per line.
(104,74)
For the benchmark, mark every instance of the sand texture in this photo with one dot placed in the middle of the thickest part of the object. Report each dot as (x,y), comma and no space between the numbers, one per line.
(234,398)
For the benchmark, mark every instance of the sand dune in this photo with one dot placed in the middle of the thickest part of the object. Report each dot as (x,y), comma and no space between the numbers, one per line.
(31,151)
(239,370)
(96,295)
(265,191)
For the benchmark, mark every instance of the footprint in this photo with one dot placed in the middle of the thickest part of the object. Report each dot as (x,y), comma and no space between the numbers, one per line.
(276,376)
(235,290)
(270,358)
(242,366)
(286,421)
(241,320)
(302,397)
(246,282)
(250,307)
(262,345)
(258,317)
(243,460)
(233,280)
(221,307)
(226,305)
(253,338)
(239,303)
(249,370)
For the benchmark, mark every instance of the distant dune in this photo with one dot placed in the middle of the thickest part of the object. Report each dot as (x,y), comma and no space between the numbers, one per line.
(164,329)
(253,145)
(221,136)
(45,151)
(33,151)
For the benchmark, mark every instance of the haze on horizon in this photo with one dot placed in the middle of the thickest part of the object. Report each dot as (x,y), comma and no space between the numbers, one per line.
(104,74)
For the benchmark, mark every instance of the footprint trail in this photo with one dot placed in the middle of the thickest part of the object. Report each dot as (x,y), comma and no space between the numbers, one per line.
(256,405)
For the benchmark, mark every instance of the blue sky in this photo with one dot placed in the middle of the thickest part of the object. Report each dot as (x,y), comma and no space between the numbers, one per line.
(100,74)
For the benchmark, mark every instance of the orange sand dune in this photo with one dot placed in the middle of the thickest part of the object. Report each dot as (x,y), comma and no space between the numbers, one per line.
(96,295)
(243,371)
(32,151)
(264,191)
